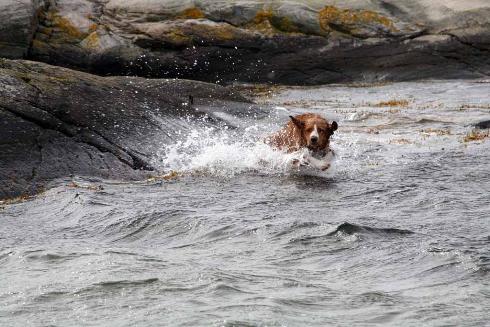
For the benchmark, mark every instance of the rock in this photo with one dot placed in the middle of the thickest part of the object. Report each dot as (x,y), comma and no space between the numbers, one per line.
(295,42)
(483,124)
(19,23)
(55,122)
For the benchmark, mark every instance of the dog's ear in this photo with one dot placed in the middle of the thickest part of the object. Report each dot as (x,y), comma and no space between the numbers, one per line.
(333,127)
(297,122)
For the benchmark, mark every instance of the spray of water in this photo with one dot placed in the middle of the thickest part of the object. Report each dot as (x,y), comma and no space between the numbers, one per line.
(222,151)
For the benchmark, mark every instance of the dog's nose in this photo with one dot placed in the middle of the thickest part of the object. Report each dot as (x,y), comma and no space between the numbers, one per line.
(314,139)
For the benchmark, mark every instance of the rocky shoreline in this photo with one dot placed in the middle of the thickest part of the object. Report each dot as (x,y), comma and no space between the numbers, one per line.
(58,122)
(288,42)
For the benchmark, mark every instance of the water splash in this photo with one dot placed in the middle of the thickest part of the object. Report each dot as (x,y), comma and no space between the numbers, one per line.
(226,152)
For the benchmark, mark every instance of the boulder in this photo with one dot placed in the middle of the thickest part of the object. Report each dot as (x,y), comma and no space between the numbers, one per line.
(283,41)
(56,122)
(483,124)
(19,24)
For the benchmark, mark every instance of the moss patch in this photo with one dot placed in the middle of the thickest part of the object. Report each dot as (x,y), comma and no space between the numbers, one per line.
(39,45)
(21,198)
(474,106)
(267,22)
(18,199)
(60,29)
(435,131)
(476,136)
(92,28)
(285,24)
(191,13)
(196,34)
(392,103)
(65,26)
(262,16)
(92,41)
(262,22)
(178,37)
(352,21)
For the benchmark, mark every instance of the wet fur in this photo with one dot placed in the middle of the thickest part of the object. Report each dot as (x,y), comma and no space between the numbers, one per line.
(297,133)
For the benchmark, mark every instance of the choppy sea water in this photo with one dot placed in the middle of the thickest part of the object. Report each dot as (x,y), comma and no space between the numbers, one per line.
(396,233)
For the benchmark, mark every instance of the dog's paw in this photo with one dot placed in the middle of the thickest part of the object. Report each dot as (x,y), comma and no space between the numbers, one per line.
(305,160)
(300,163)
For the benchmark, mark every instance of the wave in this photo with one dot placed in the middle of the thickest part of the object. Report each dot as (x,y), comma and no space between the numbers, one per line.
(346,231)
(116,284)
(349,229)
(471,256)
(125,283)
(4,256)
(41,255)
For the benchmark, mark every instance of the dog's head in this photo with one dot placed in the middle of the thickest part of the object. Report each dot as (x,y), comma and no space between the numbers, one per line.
(315,130)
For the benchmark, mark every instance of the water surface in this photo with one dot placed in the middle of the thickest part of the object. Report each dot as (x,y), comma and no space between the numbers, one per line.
(397,233)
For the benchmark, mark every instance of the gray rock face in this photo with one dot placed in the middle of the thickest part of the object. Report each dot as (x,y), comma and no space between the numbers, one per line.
(18,26)
(55,122)
(298,42)
(483,124)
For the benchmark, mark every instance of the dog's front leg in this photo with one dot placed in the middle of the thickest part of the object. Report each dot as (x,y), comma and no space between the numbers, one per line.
(304,161)
(321,164)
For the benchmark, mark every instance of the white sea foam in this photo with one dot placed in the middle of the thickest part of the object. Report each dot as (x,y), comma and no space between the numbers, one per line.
(225,152)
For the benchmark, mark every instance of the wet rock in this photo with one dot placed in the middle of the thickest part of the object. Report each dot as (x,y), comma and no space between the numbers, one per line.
(18,25)
(483,124)
(296,42)
(55,122)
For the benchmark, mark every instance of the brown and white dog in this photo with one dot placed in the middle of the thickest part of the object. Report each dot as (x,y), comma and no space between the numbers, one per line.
(309,131)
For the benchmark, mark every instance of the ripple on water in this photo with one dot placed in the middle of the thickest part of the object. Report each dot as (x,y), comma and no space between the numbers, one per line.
(396,233)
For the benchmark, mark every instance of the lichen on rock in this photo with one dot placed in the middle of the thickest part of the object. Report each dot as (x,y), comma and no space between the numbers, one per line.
(192,32)
(285,41)
(358,23)
(270,23)
(191,13)
(92,41)
(65,27)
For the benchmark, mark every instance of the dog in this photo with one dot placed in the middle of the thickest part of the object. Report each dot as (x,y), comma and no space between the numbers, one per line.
(310,131)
